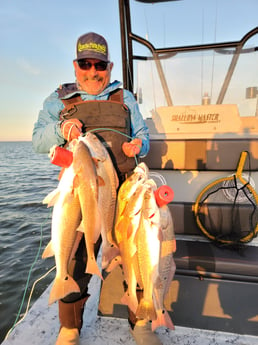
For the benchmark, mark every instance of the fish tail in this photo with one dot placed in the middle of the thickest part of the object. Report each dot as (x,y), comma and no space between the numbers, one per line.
(62,287)
(146,310)
(49,251)
(163,319)
(92,267)
(131,301)
(108,254)
(114,263)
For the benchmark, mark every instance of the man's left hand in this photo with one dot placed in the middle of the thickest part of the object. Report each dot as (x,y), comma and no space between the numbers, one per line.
(132,148)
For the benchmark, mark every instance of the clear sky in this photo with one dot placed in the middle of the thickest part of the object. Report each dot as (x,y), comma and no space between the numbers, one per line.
(38,45)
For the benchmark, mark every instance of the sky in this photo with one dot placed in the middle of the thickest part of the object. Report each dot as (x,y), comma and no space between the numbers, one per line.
(38,41)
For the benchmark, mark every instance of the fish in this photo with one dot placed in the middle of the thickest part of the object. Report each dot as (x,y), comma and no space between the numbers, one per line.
(127,228)
(148,253)
(127,189)
(87,188)
(167,269)
(107,195)
(66,218)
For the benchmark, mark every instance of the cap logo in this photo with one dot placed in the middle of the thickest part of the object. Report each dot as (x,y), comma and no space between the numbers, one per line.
(92,46)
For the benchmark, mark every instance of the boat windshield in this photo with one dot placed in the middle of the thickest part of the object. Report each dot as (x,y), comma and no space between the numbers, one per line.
(195,52)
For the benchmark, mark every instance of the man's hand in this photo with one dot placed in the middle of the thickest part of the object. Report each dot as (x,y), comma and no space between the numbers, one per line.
(71,129)
(132,148)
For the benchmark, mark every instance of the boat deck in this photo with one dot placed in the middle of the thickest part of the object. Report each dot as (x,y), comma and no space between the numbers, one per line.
(41,326)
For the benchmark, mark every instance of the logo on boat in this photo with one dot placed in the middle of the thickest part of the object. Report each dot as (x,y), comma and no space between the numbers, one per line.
(196,118)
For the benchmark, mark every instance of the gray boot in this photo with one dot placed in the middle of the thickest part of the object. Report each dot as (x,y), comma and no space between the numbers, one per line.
(143,334)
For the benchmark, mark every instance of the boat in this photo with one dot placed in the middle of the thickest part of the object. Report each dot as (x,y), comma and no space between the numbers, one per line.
(200,102)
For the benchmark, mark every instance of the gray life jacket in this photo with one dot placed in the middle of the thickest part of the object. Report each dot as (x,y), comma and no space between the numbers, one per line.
(109,120)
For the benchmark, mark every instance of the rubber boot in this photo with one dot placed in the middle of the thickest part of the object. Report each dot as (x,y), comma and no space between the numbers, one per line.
(71,318)
(141,329)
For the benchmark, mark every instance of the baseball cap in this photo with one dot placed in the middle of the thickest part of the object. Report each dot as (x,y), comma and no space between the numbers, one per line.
(92,46)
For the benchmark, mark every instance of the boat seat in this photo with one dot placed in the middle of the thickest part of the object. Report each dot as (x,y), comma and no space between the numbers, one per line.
(205,259)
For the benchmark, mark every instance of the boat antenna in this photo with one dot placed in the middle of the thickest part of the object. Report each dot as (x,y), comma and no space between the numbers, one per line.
(215,40)
(151,61)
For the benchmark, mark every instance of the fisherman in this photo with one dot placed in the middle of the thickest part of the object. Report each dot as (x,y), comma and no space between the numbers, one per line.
(93,102)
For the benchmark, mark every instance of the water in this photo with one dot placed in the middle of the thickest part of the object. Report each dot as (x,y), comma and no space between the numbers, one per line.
(25,179)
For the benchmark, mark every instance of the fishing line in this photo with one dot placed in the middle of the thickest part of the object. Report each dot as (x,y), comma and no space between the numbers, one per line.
(29,299)
(159,176)
(29,275)
(107,129)
(113,130)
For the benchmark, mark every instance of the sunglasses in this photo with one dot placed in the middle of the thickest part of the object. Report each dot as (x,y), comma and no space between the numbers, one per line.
(86,65)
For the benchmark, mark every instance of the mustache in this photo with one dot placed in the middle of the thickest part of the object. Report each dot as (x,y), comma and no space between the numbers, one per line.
(96,78)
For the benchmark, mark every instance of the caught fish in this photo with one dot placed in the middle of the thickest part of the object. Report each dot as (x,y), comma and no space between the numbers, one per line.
(167,269)
(87,188)
(65,220)
(148,253)
(126,190)
(127,227)
(107,194)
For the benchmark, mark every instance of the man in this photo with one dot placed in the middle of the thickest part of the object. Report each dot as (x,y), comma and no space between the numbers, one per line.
(60,121)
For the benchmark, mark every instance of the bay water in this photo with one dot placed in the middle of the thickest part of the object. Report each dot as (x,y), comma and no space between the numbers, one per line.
(25,179)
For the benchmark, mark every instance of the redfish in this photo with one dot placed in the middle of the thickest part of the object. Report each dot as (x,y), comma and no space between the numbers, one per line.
(86,185)
(126,191)
(107,194)
(65,220)
(148,253)
(167,269)
(127,227)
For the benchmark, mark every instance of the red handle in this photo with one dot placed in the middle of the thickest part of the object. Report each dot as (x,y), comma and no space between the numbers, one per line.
(61,157)
(164,195)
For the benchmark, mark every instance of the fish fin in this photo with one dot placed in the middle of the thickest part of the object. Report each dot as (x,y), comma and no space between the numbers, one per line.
(92,267)
(129,230)
(95,161)
(130,300)
(76,181)
(101,181)
(163,319)
(51,198)
(80,227)
(49,251)
(146,310)
(62,288)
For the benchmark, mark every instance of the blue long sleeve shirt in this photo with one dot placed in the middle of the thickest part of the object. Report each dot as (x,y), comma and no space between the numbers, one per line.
(47,132)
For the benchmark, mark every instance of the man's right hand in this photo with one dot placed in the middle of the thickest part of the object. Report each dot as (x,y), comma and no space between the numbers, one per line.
(71,129)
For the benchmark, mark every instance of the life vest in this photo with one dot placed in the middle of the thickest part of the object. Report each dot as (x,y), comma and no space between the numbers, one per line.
(109,120)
